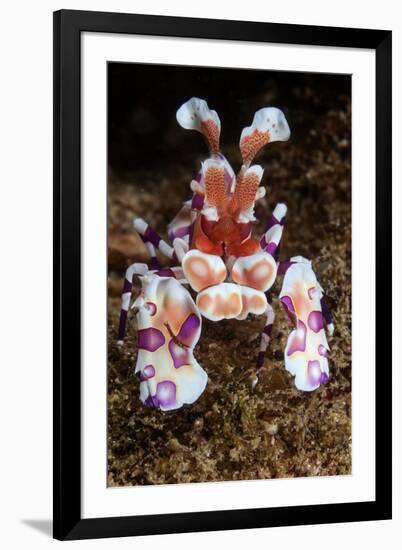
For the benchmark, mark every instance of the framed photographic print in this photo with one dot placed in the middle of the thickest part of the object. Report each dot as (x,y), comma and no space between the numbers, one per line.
(222,269)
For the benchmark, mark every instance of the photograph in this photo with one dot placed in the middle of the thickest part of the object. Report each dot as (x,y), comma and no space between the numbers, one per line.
(229,274)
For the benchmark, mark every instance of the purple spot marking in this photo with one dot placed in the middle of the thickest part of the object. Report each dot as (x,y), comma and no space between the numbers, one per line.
(189,329)
(151,402)
(260,359)
(166,393)
(150,339)
(322,350)
(268,330)
(298,339)
(314,372)
(152,236)
(147,373)
(287,302)
(324,378)
(181,356)
(165,273)
(315,321)
(197,202)
(198,176)
(271,248)
(127,286)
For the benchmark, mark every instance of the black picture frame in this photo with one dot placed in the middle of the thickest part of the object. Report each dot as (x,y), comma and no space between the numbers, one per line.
(68,26)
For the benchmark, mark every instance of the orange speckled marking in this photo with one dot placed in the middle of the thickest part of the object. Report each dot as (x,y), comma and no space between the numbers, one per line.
(215,186)
(211,132)
(250,145)
(246,189)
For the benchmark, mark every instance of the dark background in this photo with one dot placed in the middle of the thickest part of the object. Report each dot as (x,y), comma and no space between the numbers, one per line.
(143,100)
(232,432)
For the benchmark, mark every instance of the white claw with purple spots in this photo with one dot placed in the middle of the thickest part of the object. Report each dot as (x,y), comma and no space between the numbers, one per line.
(169,326)
(307,346)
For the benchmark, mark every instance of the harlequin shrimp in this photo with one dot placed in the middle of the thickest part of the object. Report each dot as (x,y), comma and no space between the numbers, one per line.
(228,269)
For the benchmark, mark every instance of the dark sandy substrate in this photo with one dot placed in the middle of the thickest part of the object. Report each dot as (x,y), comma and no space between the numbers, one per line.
(232,432)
